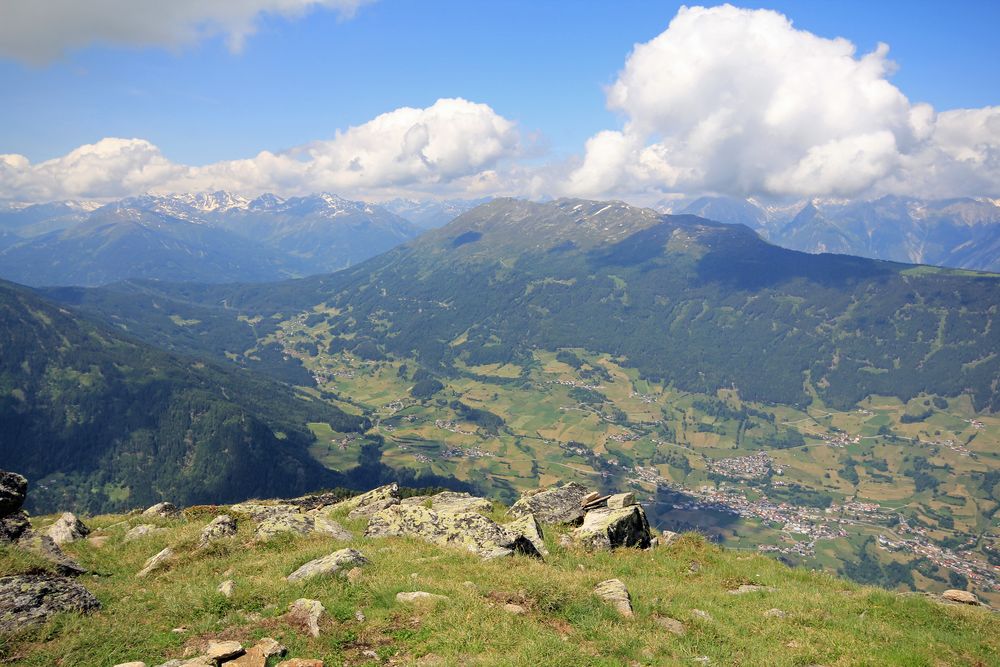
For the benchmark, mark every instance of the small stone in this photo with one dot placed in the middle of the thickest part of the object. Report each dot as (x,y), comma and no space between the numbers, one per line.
(702,659)
(671,625)
(963,597)
(162,510)
(67,528)
(359,616)
(368,653)
(468,584)
(354,575)
(330,564)
(793,644)
(156,562)
(227,588)
(222,651)
(666,538)
(300,662)
(614,591)
(703,615)
(589,498)
(97,541)
(220,527)
(180,630)
(775,613)
(416,597)
(134,663)
(750,588)
(306,614)
(695,566)
(620,500)
(515,609)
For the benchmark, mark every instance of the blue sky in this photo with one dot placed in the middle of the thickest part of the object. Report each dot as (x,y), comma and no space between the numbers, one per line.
(543,65)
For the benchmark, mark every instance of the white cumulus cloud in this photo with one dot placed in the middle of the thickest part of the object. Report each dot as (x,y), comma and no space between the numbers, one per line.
(38,31)
(739,101)
(453,144)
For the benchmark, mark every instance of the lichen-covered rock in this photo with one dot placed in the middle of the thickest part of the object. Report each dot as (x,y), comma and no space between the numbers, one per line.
(614,592)
(329,564)
(14,525)
(607,528)
(451,501)
(142,530)
(529,528)
(29,599)
(164,510)
(416,597)
(560,504)
(369,503)
(300,524)
(259,511)
(475,532)
(13,489)
(305,614)
(156,562)
(43,546)
(67,528)
(620,500)
(218,528)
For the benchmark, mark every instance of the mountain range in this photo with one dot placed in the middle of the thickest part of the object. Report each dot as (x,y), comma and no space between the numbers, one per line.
(958,233)
(207,237)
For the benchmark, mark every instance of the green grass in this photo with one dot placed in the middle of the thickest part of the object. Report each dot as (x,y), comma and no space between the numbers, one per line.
(827,621)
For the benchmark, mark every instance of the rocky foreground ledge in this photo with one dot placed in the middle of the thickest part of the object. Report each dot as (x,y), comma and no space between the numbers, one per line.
(569,518)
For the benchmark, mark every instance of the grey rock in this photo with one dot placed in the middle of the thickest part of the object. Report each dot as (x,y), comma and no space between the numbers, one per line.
(220,527)
(743,589)
(963,597)
(67,528)
(528,527)
(329,564)
(14,525)
(367,504)
(620,500)
(614,592)
(226,588)
(665,538)
(223,651)
(259,511)
(475,532)
(415,500)
(258,654)
(306,614)
(43,546)
(559,504)
(142,530)
(156,562)
(451,501)
(775,613)
(164,510)
(608,528)
(300,524)
(29,599)
(671,625)
(13,489)
(589,498)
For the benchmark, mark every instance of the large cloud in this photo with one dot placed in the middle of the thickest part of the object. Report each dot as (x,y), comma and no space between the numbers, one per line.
(38,31)
(738,101)
(452,145)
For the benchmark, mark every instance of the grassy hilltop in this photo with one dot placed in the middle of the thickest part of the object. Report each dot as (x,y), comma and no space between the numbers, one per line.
(798,617)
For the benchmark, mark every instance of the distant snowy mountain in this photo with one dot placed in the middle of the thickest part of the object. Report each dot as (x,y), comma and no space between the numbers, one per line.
(205,237)
(960,233)
(431,214)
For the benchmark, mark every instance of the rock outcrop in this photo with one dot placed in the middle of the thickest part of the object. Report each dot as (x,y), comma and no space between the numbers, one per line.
(962,597)
(607,528)
(328,565)
(475,532)
(258,511)
(300,524)
(218,528)
(367,504)
(560,504)
(528,526)
(13,520)
(44,546)
(67,528)
(452,501)
(29,599)
(418,597)
(164,510)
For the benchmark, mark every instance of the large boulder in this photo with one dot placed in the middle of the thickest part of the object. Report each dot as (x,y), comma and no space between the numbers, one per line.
(218,528)
(13,489)
(163,510)
(369,503)
(67,528)
(328,565)
(962,597)
(300,524)
(607,528)
(259,511)
(474,532)
(452,501)
(29,599)
(560,504)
